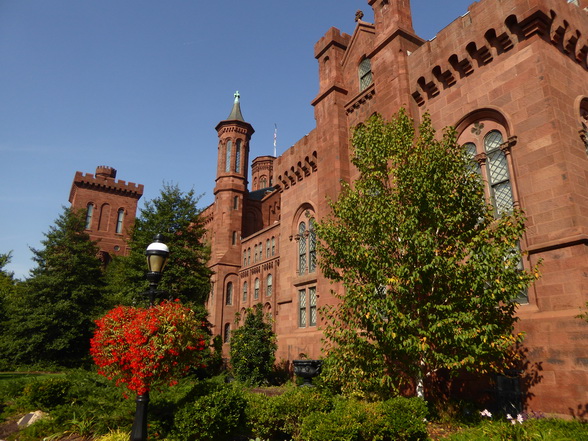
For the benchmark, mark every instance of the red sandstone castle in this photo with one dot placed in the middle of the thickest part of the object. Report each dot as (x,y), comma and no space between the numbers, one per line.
(512,77)
(110,208)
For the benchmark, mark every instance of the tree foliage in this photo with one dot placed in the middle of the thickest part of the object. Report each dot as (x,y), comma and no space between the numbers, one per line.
(186,277)
(49,317)
(430,274)
(253,348)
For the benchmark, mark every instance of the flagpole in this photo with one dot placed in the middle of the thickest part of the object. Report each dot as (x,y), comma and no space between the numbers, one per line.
(275,139)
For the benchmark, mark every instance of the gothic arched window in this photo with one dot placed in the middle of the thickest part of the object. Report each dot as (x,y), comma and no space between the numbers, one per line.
(228,157)
(311,247)
(484,142)
(238,156)
(229,294)
(89,214)
(302,248)
(227,333)
(269,285)
(119,220)
(256,289)
(244,291)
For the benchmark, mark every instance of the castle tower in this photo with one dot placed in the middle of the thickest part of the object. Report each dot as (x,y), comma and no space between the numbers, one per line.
(262,172)
(110,208)
(230,194)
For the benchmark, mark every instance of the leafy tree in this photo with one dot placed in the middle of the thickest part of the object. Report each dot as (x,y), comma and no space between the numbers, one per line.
(253,348)
(7,289)
(50,317)
(186,277)
(430,274)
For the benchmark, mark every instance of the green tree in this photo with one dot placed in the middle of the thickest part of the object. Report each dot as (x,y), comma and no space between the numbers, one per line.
(175,215)
(49,318)
(430,274)
(253,348)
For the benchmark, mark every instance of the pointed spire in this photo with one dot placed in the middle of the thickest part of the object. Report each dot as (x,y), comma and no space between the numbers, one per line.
(236,111)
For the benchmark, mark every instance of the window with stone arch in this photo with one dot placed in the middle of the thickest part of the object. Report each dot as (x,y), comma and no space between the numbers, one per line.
(228,156)
(229,294)
(227,333)
(365,74)
(267,248)
(244,291)
(119,220)
(256,290)
(486,139)
(269,285)
(306,241)
(89,215)
(238,156)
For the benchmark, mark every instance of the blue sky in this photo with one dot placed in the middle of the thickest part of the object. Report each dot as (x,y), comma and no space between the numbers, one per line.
(139,85)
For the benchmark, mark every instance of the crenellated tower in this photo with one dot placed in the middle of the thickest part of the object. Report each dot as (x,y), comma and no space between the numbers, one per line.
(110,207)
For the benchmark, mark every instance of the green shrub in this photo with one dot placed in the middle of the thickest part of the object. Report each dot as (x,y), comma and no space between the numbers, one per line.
(47,394)
(219,416)
(280,417)
(398,419)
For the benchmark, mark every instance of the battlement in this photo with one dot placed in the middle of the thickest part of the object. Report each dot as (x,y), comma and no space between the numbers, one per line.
(333,37)
(104,180)
(487,31)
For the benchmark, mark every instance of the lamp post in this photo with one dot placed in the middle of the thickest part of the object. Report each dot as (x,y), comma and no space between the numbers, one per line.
(157,253)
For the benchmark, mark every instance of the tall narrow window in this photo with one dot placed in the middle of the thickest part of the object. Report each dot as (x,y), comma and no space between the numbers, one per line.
(244,291)
(255,254)
(302,308)
(89,214)
(269,286)
(273,246)
(267,248)
(228,158)
(365,74)
(260,251)
(236,203)
(312,305)
(263,182)
(302,248)
(256,289)
(498,176)
(104,217)
(119,220)
(248,256)
(311,247)
(245,258)
(234,238)
(227,332)
(238,156)
(229,294)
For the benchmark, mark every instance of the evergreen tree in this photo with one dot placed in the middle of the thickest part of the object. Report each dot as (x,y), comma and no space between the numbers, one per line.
(49,319)
(253,348)
(186,277)
(430,274)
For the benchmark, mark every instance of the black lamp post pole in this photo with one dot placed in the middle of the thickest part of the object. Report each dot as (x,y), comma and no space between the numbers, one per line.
(157,254)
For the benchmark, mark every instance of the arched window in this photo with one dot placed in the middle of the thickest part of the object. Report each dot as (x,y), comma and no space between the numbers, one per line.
(228,158)
(227,333)
(244,291)
(302,248)
(229,294)
(269,286)
(584,122)
(256,289)
(260,251)
(234,238)
(365,74)
(273,246)
(248,256)
(311,247)
(244,257)
(267,248)
(104,217)
(89,214)
(263,182)
(484,142)
(119,220)
(255,254)
(238,156)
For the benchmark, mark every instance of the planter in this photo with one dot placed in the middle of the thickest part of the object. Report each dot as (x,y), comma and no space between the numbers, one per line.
(307,369)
